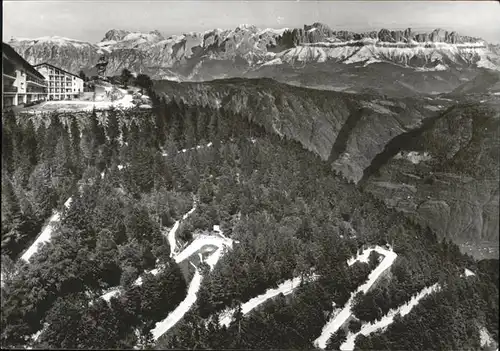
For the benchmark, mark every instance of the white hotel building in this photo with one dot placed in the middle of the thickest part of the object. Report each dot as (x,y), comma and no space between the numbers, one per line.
(62,85)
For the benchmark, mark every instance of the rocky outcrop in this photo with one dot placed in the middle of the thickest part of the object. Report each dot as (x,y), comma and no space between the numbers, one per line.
(115,34)
(319,32)
(436,36)
(278,107)
(101,67)
(456,184)
(345,129)
(382,129)
(71,55)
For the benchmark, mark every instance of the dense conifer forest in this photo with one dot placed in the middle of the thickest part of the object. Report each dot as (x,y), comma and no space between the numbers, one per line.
(129,181)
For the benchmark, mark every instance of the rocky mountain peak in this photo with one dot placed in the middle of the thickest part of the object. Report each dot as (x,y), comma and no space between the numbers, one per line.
(436,36)
(156,33)
(244,27)
(319,26)
(115,34)
(119,35)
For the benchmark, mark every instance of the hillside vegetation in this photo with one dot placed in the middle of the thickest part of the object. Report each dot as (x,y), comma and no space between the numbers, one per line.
(289,213)
(363,138)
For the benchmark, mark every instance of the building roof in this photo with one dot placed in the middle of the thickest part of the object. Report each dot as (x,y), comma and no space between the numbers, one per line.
(60,69)
(8,51)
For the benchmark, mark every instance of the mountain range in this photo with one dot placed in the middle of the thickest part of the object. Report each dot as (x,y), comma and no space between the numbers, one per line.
(447,59)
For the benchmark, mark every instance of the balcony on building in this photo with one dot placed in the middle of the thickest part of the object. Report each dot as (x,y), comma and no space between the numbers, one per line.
(30,80)
(10,89)
(36,90)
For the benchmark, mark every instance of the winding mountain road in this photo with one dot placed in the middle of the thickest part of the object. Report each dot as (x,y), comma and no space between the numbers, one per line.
(339,319)
(46,233)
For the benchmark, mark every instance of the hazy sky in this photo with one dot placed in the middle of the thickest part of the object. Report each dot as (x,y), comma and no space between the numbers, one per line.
(89,20)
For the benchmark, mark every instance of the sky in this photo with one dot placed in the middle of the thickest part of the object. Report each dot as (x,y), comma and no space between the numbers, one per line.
(90,20)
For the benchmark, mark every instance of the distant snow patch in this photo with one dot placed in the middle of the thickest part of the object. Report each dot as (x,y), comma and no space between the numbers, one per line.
(276,61)
(438,67)
(414,157)
(273,31)
(372,60)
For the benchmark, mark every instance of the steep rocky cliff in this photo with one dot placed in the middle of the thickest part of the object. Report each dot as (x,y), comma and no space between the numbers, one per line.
(69,54)
(448,176)
(431,158)
(319,32)
(313,117)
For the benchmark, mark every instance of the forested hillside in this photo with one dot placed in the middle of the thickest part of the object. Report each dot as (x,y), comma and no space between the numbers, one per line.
(362,136)
(131,175)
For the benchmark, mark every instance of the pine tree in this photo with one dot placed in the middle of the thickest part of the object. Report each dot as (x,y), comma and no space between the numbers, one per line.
(224,125)
(106,257)
(97,329)
(201,123)
(62,169)
(65,313)
(52,134)
(134,134)
(160,122)
(18,154)
(125,133)
(96,130)
(190,130)
(22,158)
(44,196)
(8,129)
(88,149)
(77,216)
(30,144)
(11,211)
(113,127)
(76,153)
(217,159)
(336,340)
(141,171)
(177,126)
(213,124)
(167,113)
